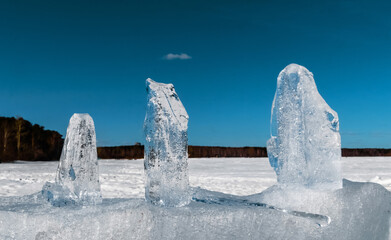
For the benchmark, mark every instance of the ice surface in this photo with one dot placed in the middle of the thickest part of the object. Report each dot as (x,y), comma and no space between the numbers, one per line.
(166,166)
(77,178)
(209,197)
(357,211)
(305,145)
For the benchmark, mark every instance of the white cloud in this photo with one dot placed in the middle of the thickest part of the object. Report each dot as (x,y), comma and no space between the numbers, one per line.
(173,56)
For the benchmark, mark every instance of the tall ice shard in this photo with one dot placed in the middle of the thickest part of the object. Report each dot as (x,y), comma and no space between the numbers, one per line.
(165,126)
(77,178)
(305,145)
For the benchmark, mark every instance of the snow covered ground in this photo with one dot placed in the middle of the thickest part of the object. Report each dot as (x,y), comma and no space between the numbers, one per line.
(238,176)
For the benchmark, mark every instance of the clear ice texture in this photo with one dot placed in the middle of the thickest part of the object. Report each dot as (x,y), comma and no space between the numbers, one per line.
(305,145)
(358,211)
(77,178)
(166,166)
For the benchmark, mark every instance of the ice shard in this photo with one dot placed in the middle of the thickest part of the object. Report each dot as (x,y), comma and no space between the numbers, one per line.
(305,144)
(77,178)
(166,166)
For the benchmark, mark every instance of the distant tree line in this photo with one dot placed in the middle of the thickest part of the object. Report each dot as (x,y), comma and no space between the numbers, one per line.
(366,152)
(206,151)
(121,152)
(19,139)
(137,152)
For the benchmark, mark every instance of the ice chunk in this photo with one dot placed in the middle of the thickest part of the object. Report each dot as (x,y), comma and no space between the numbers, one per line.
(77,178)
(305,145)
(210,197)
(165,126)
(359,211)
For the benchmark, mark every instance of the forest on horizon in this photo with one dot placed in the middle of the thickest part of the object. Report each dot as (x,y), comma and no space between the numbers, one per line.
(22,140)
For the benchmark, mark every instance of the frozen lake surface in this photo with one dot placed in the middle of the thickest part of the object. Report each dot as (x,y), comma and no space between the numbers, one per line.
(238,176)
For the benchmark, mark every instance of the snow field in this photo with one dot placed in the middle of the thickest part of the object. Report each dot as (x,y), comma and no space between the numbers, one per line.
(237,176)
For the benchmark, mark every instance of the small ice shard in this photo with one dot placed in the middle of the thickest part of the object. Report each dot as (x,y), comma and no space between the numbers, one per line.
(165,126)
(305,145)
(77,178)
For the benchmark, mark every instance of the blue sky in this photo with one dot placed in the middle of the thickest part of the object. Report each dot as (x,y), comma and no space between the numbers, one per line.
(61,57)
